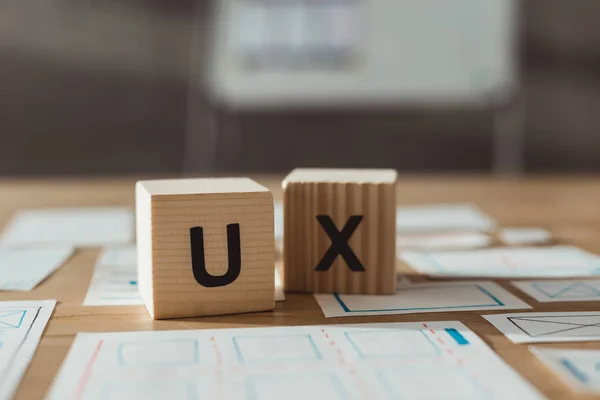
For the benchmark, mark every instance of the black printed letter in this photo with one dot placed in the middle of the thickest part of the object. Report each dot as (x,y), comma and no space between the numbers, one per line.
(339,243)
(199,264)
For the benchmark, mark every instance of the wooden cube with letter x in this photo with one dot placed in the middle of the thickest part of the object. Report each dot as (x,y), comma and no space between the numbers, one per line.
(340,231)
(205,246)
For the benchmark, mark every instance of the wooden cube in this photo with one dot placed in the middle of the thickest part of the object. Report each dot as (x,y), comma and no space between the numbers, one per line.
(340,231)
(205,246)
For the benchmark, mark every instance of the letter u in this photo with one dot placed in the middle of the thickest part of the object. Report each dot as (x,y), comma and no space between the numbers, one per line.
(233,254)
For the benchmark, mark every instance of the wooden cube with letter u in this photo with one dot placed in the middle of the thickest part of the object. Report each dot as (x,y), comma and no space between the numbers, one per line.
(205,246)
(340,231)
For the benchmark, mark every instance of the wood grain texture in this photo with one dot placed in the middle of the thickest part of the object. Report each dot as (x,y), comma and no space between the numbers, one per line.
(340,194)
(168,209)
(567,206)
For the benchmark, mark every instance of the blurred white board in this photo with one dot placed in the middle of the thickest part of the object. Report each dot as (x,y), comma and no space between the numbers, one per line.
(288,53)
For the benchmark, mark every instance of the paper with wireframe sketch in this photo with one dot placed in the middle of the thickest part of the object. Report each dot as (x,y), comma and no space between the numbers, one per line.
(21,326)
(546,291)
(423,298)
(360,361)
(548,327)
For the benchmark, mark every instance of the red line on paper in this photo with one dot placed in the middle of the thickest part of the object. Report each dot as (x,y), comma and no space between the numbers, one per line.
(219,373)
(509,263)
(217,351)
(351,368)
(87,373)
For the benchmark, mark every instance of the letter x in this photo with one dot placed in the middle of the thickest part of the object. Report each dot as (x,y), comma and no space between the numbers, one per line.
(339,243)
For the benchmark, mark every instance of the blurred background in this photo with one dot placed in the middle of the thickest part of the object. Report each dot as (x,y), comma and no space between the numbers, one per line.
(105,87)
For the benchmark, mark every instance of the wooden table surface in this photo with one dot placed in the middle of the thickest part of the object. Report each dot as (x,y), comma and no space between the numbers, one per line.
(567,206)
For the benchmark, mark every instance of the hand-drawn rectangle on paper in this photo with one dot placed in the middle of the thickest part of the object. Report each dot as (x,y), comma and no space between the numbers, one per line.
(176,352)
(276,348)
(392,343)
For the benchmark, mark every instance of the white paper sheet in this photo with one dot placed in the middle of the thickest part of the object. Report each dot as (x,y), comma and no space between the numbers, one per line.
(279,293)
(556,261)
(114,282)
(442,241)
(24,268)
(561,290)
(415,360)
(437,218)
(524,236)
(548,326)
(422,298)
(278,208)
(578,369)
(21,326)
(442,217)
(82,227)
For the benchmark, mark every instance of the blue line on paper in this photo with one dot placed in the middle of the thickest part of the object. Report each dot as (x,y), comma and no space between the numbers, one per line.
(576,372)
(496,301)
(456,335)
(123,282)
(13,313)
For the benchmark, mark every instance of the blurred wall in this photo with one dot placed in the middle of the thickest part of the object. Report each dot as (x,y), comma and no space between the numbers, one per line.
(93,86)
(562,84)
(102,87)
